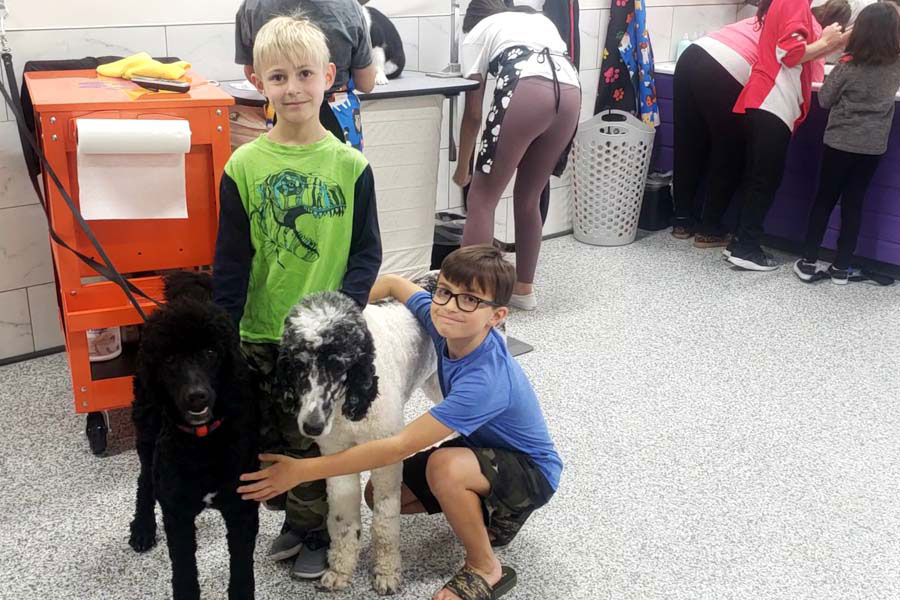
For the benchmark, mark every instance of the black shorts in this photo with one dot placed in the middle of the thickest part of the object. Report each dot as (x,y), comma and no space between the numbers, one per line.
(518,487)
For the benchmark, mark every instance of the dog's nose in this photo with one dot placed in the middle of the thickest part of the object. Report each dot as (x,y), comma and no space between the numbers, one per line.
(198,399)
(313,429)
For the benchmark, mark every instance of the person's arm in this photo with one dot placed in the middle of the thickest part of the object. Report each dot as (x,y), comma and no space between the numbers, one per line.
(365,243)
(248,73)
(364,79)
(833,86)
(795,51)
(468,131)
(287,472)
(234,252)
(821,48)
(393,286)
(361,66)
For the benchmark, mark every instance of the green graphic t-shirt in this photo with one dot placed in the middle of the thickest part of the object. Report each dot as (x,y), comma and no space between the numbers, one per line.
(299,202)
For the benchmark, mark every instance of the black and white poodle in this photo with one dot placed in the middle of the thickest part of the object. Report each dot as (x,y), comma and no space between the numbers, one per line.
(350,373)
(197,431)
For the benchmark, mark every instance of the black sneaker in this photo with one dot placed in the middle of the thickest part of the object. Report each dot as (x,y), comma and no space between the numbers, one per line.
(751,260)
(726,253)
(840,276)
(805,269)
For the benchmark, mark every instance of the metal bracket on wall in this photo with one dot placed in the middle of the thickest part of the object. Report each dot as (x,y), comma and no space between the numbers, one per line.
(4,43)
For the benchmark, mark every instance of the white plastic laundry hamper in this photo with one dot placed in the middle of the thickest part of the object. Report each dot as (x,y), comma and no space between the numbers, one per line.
(611,156)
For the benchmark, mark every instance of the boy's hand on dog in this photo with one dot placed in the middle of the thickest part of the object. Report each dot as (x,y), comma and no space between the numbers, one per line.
(284,474)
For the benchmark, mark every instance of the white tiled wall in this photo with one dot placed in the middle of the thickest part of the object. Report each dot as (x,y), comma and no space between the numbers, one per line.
(202,31)
(15,323)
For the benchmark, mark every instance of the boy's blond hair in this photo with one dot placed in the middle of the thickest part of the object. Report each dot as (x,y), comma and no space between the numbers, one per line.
(295,38)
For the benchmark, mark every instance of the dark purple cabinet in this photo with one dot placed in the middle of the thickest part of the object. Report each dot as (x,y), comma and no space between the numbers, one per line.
(880,235)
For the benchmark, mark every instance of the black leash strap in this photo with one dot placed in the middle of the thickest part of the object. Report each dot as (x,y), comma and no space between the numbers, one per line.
(106,269)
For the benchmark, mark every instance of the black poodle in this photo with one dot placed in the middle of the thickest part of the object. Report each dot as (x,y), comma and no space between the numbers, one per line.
(197,431)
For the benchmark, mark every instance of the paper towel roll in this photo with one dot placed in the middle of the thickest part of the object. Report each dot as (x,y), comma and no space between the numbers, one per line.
(133,136)
(132,169)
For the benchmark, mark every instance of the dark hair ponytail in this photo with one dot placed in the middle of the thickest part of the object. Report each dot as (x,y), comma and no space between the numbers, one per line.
(875,39)
(481,9)
(762,8)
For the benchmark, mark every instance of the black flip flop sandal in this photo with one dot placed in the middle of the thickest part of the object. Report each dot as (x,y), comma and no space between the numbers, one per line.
(469,585)
(507,582)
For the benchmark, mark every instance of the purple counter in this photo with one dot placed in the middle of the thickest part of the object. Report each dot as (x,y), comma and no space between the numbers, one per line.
(879,237)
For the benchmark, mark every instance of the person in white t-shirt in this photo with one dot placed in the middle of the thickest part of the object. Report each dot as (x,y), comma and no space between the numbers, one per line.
(530,124)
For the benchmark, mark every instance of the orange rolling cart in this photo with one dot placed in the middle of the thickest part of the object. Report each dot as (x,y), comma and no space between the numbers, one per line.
(137,248)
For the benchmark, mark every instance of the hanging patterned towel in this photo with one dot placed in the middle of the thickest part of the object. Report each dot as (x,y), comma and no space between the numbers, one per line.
(626,71)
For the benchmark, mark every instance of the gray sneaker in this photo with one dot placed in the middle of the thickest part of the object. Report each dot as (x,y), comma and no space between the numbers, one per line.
(310,564)
(285,546)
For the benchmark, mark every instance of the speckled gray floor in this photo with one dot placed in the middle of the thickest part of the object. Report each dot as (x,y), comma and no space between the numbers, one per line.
(725,435)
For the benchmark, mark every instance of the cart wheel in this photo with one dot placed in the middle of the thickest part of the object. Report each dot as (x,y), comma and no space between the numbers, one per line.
(96,430)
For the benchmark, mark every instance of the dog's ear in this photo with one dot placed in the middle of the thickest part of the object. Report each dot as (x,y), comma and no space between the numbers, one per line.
(284,387)
(362,383)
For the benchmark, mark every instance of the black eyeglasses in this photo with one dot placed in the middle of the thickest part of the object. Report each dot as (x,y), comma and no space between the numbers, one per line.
(465,302)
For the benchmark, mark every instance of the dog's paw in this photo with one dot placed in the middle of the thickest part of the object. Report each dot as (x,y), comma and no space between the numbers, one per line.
(142,537)
(386,585)
(381,78)
(334,581)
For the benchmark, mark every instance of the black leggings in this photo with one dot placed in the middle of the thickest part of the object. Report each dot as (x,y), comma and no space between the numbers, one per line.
(709,139)
(768,139)
(844,175)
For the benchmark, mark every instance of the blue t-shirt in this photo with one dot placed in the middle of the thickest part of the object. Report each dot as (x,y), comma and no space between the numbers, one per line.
(488,399)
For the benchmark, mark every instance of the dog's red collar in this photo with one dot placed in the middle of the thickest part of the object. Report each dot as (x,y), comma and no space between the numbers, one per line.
(202,430)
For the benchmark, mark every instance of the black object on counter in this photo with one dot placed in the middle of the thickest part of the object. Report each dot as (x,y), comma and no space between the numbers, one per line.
(448,230)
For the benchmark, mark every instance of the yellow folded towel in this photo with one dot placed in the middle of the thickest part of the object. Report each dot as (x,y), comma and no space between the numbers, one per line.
(142,65)
(154,68)
(118,68)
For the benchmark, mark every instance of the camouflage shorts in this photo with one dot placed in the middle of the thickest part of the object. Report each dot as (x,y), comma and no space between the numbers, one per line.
(518,488)
(306,506)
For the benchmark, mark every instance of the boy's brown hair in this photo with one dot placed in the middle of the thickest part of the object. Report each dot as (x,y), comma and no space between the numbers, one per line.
(481,266)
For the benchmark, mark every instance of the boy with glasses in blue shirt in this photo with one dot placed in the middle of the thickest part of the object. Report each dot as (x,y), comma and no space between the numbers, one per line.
(503,465)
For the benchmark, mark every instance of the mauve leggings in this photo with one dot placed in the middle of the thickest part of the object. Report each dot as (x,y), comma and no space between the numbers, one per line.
(532,138)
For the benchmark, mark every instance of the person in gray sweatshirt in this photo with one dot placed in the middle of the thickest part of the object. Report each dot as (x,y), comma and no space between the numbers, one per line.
(861,92)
